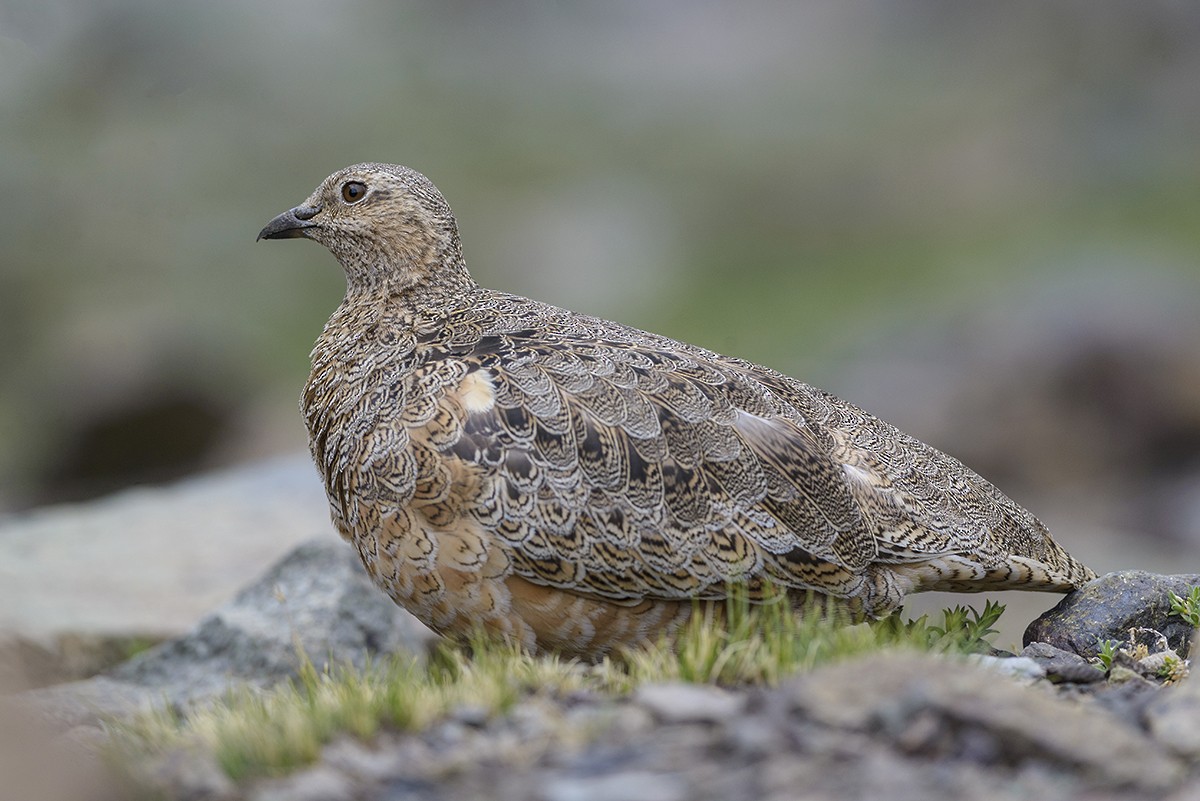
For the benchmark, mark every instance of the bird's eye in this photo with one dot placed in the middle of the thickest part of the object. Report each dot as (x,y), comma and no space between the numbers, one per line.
(353,191)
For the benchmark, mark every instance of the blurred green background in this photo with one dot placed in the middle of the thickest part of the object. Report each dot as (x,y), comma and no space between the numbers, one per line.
(981,221)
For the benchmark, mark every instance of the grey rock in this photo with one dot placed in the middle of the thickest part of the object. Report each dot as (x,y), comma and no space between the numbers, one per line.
(1017,667)
(628,786)
(318,601)
(752,738)
(879,774)
(410,789)
(1126,676)
(1173,718)
(622,720)
(374,762)
(190,773)
(1062,667)
(1125,701)
(1189,793)
(689,703)
(474,715)
(1107,370)
(1158,664)
(153,560)
(980,717)
(319,783)
(1107,608)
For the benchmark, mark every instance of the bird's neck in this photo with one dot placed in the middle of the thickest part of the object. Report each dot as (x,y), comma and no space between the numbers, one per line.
(426,283)
(409,299)
(381,270)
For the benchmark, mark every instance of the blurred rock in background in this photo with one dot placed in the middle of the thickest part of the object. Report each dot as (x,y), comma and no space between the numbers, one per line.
(1079,391)
(981,222)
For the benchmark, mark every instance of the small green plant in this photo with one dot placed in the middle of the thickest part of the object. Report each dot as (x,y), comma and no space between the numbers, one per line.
(1173,669)
(1108,650)
(1187,607)
(963,628)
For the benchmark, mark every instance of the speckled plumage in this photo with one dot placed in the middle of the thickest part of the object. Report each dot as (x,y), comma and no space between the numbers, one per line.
(575,483)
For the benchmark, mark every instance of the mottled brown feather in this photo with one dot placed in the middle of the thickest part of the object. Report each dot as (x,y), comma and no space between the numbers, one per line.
(575,484)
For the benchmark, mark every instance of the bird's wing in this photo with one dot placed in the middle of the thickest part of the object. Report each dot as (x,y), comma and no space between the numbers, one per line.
(640,469)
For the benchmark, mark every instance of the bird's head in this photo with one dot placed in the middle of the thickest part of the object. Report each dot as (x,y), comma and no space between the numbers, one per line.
(387,225)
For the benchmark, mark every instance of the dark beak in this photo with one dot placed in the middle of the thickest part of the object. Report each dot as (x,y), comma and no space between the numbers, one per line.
(290,224)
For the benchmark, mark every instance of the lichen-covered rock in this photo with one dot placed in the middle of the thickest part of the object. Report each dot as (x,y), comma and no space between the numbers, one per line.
(1107,608)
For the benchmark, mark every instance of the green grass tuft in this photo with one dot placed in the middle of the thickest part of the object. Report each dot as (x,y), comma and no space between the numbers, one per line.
(764,642)
(254,732)
(251,732)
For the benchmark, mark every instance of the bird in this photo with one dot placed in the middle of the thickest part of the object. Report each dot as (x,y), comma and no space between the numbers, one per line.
(579,486)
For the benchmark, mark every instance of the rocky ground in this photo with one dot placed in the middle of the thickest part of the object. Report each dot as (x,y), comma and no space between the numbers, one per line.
(897,726)
(1042,724)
